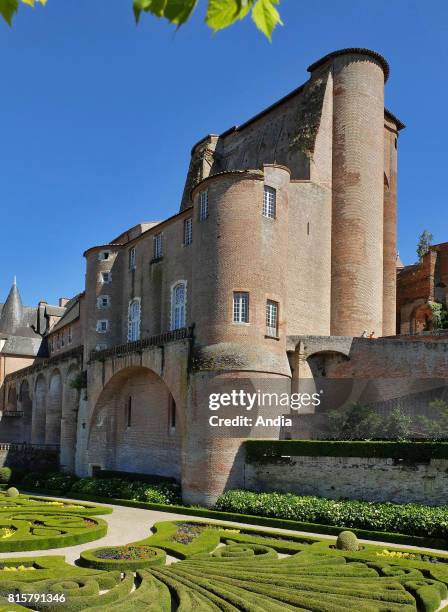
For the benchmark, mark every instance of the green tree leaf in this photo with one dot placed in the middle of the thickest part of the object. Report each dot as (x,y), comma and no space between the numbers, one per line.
(8,8)
(223,13)
(266,16)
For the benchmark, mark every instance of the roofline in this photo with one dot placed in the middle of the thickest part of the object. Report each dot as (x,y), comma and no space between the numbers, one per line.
(154,229)
(392,117)
(353,51)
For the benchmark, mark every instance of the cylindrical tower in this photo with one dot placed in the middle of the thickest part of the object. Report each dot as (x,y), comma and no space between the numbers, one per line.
(239,276)
(358,167)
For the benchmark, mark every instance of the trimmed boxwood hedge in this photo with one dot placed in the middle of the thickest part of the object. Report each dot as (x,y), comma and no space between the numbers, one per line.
(259,451)
(89,558)
(241,575)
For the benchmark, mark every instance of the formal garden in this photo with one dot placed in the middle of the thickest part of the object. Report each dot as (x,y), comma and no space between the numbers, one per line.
(193,564)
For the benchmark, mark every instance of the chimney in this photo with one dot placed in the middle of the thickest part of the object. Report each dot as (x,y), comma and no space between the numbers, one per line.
(63,301)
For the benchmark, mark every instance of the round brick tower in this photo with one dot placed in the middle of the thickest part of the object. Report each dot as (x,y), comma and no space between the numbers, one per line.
(358,170)
(240,251)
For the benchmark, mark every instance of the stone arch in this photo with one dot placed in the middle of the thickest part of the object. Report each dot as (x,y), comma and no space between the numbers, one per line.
(70,406)
(10,427)
(130,428)
(26,406)
(39,405)
(54,409)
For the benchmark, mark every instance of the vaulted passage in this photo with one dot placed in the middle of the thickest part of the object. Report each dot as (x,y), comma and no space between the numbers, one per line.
(134,427)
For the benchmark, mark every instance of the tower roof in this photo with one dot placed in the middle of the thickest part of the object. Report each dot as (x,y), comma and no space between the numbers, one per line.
(12,311)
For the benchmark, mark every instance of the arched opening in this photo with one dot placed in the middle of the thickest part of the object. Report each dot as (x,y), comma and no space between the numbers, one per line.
(178,305)
(69,421)
(421,319)
(27,409)
(38,418)
(10,426)
(133,429)
(54,409)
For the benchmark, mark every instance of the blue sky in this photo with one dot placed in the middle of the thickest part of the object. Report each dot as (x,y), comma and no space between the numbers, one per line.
(98,116)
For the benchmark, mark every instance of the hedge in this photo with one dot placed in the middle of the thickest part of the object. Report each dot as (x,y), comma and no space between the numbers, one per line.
(268,450)
(90,558)
(241,575)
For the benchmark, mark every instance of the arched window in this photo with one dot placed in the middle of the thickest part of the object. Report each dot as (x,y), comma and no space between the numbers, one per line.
(178,301)
(134,320)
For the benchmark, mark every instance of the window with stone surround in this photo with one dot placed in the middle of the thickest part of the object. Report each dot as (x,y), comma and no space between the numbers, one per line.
(102,326)
(269,202)
(240,307)
(188,231)
(203,205)
(178,305)
(157,246)
(134,320)
(106,277)
(103,301)
(272,319)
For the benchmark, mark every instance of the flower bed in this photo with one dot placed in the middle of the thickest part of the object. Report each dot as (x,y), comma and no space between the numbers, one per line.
(121,558)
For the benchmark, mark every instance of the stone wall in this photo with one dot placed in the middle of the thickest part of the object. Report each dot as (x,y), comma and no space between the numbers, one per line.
(370,479)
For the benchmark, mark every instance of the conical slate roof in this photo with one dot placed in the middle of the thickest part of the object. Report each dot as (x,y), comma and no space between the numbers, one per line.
(12,311)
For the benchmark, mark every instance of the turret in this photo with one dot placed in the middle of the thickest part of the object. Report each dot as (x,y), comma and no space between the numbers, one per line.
(12,312)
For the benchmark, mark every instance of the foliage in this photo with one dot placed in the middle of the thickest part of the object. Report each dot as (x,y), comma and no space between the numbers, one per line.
(412,519)
(435,426)
(424,242)
(439,319)
(220,13)
(347,540)
(243,573)
(80,381)
(356,422)
(5,474)
(397,425)
(120,488)
(130,556)
(272,450)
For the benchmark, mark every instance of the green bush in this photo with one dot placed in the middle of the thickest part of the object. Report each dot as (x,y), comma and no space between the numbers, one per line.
(123,557)
(120,488)
(51,481)
(12,492)
(5,474)
(347,540)
(410,519)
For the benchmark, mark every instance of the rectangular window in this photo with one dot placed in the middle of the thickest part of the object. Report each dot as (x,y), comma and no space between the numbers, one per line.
(103,301)
(157,246)
(102,326)
(129,412)
(103,255)
(203,205)
(240,307)
(62,339)
(101,347)
(172,414)
(132,259)
(269,202)
(70,335)
(272,319)
(188,231)
(106,277)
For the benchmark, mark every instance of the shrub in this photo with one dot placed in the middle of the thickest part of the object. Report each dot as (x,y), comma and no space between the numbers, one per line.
(347,540)
(5,475)
(410,519)
(12,492)
(121,488)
